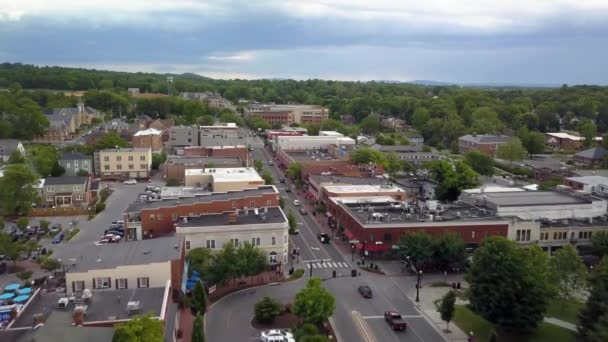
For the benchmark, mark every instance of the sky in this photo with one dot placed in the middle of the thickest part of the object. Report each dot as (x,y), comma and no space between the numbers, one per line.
(462,41)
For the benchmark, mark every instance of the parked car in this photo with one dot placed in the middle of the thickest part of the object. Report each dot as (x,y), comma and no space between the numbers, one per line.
(55,228)
(303,211)
(287,189)
(130,182)
(270,162)
(365,291)
(115,226)
(277,335)
(58,238)
(324,238)
(296,203)
(115,232)
(42,231)
(282,180)
(395,320)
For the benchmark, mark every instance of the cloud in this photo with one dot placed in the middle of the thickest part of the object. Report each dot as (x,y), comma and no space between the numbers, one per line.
(239,56)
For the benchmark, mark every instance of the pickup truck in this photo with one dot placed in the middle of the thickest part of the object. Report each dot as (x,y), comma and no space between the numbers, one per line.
(395,320)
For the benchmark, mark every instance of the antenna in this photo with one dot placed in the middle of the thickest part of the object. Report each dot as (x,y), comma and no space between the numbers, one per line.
(170,85)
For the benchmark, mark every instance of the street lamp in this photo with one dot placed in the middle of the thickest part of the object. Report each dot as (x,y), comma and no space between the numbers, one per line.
(352,247)
(419,276)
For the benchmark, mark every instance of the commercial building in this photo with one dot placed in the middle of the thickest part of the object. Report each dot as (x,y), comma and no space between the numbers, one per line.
(149,138)
(131,264)
(310,142)
(592,156)
(66,191)
(123,163)
(588,184)
(240,151)
(181,136)
(393,148)
(222,180)
(157,218)
(75,163)
(175,166)
(288,114)
(563,141)
(317,183)
(418,158)
(210,135)
(487,144)
(265,228)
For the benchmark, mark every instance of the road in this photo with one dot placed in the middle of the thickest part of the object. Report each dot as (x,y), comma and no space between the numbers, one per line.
(389,292)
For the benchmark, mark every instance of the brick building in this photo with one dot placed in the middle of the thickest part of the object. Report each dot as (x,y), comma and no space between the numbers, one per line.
(239,151)
(288,114)
(146,220)
(175,166)
(150,138)
(487,144)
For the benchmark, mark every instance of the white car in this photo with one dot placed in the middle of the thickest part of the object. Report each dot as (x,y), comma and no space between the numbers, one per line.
(276,335)
(296,203)
(130,182)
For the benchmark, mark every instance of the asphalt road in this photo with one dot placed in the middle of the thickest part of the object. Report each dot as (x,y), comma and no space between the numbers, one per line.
(389,292)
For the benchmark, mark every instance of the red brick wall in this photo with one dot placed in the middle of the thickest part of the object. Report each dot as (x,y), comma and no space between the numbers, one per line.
(177,269)
(202,151)
(163,224)
(155,142)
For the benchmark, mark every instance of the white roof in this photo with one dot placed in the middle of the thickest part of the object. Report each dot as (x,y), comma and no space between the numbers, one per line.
(235,174)
(330,134)
(590,180)
(149,131)
(361,188)
(222,125)
(562,135)
(489,189)
(364,199)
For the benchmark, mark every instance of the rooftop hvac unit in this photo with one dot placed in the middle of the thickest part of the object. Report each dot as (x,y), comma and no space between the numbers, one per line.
(133,306)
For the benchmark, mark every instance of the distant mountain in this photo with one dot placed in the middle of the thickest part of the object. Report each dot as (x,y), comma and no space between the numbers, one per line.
(431,83)
(474,84)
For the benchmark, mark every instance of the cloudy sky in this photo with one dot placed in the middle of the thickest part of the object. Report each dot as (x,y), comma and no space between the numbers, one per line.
(466,41)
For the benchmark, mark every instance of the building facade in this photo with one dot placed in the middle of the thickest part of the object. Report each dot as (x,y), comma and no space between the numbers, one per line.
(485,143)
(8,146)
(181,136)
(175,166)
(123,163)
(149,138)
(223,179)
(66,191)
(288,114)
(76,163)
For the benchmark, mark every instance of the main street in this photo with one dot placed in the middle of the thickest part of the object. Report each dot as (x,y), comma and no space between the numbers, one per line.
(389,292)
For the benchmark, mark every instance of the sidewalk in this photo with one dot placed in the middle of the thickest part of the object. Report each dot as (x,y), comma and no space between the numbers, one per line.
(560,323)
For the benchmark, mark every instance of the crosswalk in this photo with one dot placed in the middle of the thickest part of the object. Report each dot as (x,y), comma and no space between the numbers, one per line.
(328,264)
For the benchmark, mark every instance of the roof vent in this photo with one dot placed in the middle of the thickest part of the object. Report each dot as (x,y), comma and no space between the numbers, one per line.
(145,251)
(98,259)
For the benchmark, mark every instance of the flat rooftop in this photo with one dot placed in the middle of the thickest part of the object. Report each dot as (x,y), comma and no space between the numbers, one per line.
(202,161)
(136,207)
(236,174)
(272,106)
(126,149)
(349,189)
(310,155)
(490,189)
(138,252)
(324,179)
(103,306)
(249,217)
(590,180)
(534,198)
(149,131)
(181,191)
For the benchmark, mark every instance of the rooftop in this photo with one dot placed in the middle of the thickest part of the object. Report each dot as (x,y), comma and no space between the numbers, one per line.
(330,134)
(243,217)
(58,327)
(310,155)
(587,172)
(533,198)
(562,135)
(486,138)
(135,207)
(221,125)
(103,306)
(149,131)
(272,106)
(232,174)
(202,161)
(396,148)
(139,252)
(595,153)
(169,192)
(590,180)
(490,189)
(64,180)
(349,189)
(73,155)
(126,149)
(324,179)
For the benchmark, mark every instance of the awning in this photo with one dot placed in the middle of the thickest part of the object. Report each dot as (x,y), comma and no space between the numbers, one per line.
(311,195)
(371,247)
(350,236)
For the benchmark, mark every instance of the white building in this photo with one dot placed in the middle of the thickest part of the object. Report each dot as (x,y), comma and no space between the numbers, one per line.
(330,134)
(224,179)
(311,142)
(265,228)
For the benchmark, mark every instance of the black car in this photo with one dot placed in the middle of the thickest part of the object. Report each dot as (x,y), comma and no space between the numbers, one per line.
(287,189)
(324,238)
(282,180)
(365,291)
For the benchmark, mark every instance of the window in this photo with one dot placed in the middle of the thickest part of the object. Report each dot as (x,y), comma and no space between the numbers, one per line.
(187,244)
(388,237)
(75,164)
(268,203)
(528,232)
(130,158)
(274,240)
(130,166)
(210,244)
(50,198)
(78,286)
(472,234)
(252,204)
(143,166)
(106,158)
(174,216)
(79,197)
(106,167)
(67,166)
(85,163)
(102,283)
(76,188)
(118,158)
(121,283)
(143,282)
(517,235)
(233,204)
(50,189)
(235,242)
(160,216)
(151,217)
(255,241)
(142,158)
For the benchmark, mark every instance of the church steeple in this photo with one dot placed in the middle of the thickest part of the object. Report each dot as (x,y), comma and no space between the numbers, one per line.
(80,106)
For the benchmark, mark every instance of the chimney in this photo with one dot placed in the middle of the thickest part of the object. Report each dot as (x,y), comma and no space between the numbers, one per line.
(232,218)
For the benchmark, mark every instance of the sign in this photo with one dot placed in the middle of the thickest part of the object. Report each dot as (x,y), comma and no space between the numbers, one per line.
(366,253)
(354,241)
(212,289)
(5,315)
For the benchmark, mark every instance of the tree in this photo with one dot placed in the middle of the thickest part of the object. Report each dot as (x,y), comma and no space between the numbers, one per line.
(509,284)
(591,320)
(446,309)
(250,259)
(198,334)
(22,223)
(368,155)
(293,223)
(199,259)
(449,251)
(256,122)
(294,171)
(371,124)
(109,140)
(57,170)
(199,298)
(158,159)
(513,150)
(266,310)
(207,120)
(481,163)
(452,179)
(569,273)
(50,264)
(16,157)
(282,202)
(11,249)
(394,163)
(417,248)
(258,165)
(313,303)
(309,333)
(534,142)
(24,275)
(599,243)
(588,130)
(143,328)
(172,182)
(485,120)
(267,177)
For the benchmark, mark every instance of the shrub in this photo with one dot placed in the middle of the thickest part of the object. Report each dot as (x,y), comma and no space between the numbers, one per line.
(99,207)
(266,310)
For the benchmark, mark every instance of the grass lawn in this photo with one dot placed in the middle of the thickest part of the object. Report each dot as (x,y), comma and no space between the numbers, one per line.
(467,321)
(565,310)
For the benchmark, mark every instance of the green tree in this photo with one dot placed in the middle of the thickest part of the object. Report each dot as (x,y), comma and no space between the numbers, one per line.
(258,165)
(569,273)
(417,248)
(282,202)
(485,120)
(16,157)
(509,285)
(314,304)
(309,333)
(451,179)
(143,328)
(198,334)
(293,223)
(267,177)
(226,115)
(366,155)
(172,182)
(158,159)
(256,122)
(17,192)
(294,171)
(481,163)
(395,165)
(371,124)
(420,117)
(12,250)
(192,112)
(199,298)
(595,309)
(207,120)
(588,130)
(449,251)
(266,310)
(534,142)
(446,309)
(22,223)
(199,259)
(599,243)
(599,333)
(250,259)
(24,276)
(50,264)
(511,151)
(44,159)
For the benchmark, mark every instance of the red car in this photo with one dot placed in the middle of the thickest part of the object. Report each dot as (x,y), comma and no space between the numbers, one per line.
(395,320)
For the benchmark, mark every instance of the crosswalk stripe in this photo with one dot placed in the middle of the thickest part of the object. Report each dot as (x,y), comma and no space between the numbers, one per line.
(317,265)
(343,264)
(307,265)
(334,264)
